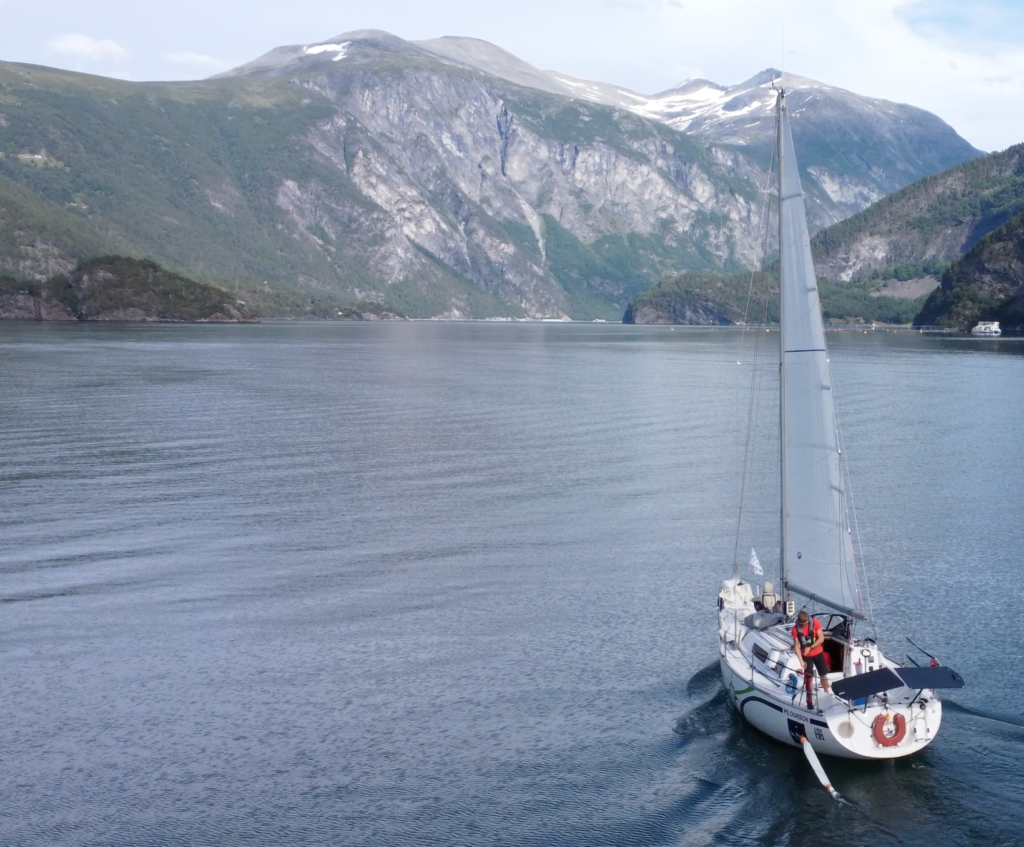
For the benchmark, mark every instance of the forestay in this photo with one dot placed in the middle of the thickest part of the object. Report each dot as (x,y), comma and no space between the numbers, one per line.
(817,549)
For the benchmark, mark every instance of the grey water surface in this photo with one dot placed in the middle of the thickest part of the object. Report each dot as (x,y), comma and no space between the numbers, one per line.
(426,583)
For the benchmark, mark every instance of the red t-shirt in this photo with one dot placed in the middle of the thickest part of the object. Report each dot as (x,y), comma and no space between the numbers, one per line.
(809,651)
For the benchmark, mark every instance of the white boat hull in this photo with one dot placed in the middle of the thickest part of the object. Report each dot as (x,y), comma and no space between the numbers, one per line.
(834,729)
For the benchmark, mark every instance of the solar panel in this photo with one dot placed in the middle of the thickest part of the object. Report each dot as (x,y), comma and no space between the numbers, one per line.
(938,677)
(866,684)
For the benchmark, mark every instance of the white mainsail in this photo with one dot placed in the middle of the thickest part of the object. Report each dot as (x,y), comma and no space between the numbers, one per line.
(817,555)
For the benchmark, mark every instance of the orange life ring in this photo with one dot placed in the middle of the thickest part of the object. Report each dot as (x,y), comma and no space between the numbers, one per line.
(888,730)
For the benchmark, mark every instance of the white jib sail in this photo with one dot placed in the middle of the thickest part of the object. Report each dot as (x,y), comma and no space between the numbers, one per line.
(818,551)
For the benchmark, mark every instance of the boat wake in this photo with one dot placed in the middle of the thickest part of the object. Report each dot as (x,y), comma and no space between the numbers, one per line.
(705,720)
(710,713)
(1009,723)
(705,682)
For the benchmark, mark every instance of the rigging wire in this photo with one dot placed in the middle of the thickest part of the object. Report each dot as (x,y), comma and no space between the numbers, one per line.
(860,572)
(752,403)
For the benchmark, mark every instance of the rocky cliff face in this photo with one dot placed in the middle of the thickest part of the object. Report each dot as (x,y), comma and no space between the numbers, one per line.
(473,174)
(854,150)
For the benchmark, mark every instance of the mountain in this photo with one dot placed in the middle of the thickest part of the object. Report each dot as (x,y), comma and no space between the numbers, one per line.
(368,169)
(493,60)
(854,149)
(962,226)
(937,219)
(985,284)
(389,175)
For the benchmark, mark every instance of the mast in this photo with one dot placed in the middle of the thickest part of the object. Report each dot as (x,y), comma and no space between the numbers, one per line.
(779,106)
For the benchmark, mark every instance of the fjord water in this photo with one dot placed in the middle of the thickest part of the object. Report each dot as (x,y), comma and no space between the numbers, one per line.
(455,584)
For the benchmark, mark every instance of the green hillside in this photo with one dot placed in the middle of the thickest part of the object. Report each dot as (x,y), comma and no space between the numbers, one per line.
(986,284)
(117,288)
(39,235)
(713,298)
(934,220)
(187,172)
(704,298)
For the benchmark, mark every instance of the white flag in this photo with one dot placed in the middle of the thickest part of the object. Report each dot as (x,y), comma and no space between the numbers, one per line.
(755,565)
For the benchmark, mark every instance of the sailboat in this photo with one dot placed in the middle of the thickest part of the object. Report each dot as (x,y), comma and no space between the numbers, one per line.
(877,708)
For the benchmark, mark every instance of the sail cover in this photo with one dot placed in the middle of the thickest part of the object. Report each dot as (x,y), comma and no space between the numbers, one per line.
(818,551)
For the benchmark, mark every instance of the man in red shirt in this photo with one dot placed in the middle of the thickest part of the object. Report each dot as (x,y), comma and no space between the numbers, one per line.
(808,638)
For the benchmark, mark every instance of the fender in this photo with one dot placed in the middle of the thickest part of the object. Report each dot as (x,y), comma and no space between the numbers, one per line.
(888,730)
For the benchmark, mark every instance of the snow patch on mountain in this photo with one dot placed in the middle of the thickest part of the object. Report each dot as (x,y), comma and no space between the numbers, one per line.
(340,49)
(699,101)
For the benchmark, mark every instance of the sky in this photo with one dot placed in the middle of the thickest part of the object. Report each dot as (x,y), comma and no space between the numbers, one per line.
(961,59)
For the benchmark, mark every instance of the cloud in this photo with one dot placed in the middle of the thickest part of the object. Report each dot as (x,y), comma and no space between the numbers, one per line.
(78,46)
(196,60)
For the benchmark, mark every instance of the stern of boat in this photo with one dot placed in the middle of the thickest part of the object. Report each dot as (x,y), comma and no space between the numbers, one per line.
(885,731)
